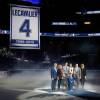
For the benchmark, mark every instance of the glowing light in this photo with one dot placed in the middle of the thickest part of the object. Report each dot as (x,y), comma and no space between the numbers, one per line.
(64,23)
(18,58)
(93,12)
(33,1)
(26,60)
(87,22)
(89,12)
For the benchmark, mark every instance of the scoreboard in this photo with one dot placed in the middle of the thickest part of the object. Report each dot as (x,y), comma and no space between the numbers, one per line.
(24,27)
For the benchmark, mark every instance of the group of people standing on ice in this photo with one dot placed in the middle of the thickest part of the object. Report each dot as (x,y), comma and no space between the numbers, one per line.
(67,76)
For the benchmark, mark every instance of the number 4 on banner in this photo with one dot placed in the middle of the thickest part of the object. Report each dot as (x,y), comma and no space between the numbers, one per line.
(25,27)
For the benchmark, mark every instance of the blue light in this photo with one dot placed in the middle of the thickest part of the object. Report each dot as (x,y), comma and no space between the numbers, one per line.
(33,1)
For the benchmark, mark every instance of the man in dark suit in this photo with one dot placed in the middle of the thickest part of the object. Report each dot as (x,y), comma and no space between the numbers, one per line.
(53,77)
(83,75)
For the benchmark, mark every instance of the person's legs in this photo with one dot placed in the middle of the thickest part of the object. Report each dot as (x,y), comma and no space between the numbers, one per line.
(59,83)
(53,84)
(71,86)
(71,83)
(55,80)
(83,81)
(68,84)
(77,81)
(64,83)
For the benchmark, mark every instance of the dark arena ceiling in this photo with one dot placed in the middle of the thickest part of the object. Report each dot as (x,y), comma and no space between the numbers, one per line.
(66,11)
(58,11)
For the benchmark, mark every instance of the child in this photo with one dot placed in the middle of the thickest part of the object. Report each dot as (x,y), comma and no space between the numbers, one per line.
(70,81)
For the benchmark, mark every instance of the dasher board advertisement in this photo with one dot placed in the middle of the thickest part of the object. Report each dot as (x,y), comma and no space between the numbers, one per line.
(24,27)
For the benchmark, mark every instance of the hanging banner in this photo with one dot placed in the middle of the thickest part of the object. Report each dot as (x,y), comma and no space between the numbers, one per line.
(24,27)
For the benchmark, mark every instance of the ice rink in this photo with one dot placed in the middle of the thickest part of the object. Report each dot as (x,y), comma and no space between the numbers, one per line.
(34,84)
